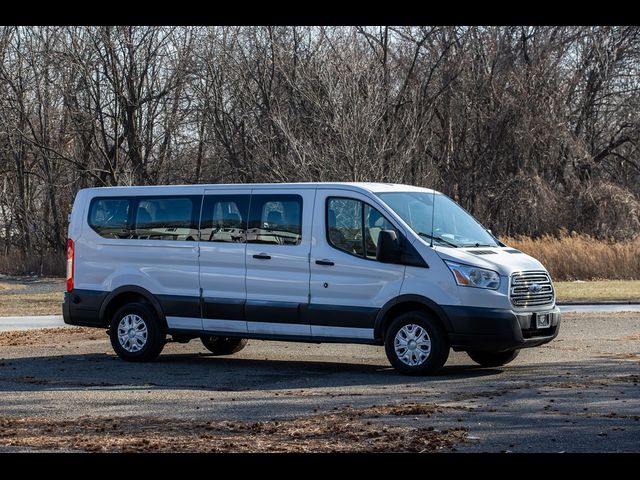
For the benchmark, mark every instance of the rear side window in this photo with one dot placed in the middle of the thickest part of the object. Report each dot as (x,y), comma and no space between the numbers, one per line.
(275,219)
(354,226)
(109,217)
(224,218)
(166,218)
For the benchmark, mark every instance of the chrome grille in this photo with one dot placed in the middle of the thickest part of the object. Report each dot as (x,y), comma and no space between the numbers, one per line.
(524,293)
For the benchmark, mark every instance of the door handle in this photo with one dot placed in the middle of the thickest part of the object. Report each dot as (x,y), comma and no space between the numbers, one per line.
(262,256)
(325,262)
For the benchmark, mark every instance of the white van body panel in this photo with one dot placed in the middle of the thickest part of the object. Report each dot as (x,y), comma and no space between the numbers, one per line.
(499,260)
(159,268)
(433,282)
(345,297)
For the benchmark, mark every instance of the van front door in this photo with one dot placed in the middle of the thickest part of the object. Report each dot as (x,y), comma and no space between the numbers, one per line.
(223,231)
(348,286)
(277,259)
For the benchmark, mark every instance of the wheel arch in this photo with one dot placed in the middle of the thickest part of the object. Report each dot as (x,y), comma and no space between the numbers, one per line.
(406,303)
(126,294)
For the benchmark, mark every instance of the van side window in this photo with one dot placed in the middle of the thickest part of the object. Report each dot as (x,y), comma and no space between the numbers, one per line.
(374,223)
(275,219)
(109,217)
(344,225)
(167,218)
(224,218)
(354,226)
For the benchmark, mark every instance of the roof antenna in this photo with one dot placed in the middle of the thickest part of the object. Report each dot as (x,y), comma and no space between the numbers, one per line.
(433,214)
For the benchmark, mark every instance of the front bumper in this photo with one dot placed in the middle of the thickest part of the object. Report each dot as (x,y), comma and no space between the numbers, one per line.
(498,330)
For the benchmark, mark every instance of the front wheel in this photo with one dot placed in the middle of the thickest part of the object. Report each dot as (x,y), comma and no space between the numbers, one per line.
(223,345)
(136,334)
(416,344)
(493,359)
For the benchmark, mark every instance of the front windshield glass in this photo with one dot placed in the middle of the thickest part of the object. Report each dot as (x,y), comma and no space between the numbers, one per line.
(452,225)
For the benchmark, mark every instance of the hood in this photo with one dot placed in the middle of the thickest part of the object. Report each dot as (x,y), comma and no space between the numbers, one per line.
(504,260)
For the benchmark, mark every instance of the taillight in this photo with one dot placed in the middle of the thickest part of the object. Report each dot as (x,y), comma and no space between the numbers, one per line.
(69,265)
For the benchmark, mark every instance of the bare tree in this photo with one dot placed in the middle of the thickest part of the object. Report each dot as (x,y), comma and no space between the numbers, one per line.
(533,129)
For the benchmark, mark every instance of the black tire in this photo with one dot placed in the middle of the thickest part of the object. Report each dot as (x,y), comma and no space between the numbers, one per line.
(493,359)
(223,345)
(155,338)
(438,353)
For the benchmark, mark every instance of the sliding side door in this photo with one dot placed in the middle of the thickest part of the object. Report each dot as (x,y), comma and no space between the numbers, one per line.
(278,246)
(223,231)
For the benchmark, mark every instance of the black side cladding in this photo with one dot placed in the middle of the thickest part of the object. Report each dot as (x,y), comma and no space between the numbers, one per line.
(180,306)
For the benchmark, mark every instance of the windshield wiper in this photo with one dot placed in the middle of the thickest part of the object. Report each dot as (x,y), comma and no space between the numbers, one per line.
(478,245)
(439,239)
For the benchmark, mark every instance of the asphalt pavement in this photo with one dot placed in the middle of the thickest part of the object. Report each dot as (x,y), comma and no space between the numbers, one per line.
(578,393)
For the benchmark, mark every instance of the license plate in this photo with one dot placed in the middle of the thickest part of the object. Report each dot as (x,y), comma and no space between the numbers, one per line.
(543,320)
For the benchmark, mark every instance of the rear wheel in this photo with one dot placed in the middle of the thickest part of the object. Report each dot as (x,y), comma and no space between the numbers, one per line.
(416,344)
(223,345)
(136,334)
(493,359)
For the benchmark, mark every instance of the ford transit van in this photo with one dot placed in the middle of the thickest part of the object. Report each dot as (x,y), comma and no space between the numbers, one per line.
(382,264)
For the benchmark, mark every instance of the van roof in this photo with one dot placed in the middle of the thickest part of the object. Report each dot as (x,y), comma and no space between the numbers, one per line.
(369,186)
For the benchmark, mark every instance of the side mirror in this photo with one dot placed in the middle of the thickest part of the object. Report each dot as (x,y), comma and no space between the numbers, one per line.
(388,249)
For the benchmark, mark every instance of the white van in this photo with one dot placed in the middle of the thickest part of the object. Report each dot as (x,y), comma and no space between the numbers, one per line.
(382,264)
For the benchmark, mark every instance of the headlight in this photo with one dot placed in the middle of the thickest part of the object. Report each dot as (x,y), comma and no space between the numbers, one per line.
(469,276)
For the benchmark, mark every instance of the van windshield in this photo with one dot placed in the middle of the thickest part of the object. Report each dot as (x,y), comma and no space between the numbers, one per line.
(452,225)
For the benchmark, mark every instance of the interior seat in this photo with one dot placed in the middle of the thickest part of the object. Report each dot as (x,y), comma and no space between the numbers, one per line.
(274,220)
(335,234)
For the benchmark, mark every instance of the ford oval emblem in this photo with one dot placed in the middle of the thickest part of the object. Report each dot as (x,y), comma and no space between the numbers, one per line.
(535,288)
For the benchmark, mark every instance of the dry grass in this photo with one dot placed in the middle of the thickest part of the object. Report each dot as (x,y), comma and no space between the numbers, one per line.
(581,257)
(16,304)
(11,286)
(598,290)
(345,430)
